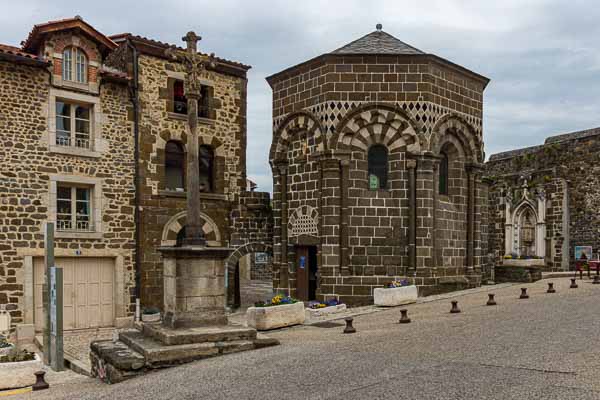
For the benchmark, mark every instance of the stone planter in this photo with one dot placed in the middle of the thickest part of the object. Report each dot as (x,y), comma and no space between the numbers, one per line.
(265,318)
(15,375)
(391,297)
(151,317)
(313,313)
(532,262)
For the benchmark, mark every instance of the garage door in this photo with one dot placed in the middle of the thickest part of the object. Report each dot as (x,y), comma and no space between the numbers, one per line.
(88,292)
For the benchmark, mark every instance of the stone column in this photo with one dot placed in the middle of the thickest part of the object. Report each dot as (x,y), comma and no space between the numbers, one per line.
(425,210)
(284,265)
(470,216)
(344,216)
(330,217)
(411,165)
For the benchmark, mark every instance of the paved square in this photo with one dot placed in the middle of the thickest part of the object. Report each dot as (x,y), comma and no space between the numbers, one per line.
(541,348)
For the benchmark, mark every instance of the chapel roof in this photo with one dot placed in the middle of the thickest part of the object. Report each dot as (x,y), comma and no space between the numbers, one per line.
(378,42)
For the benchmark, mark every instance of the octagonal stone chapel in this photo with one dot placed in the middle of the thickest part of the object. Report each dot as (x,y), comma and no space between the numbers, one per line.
(377,159)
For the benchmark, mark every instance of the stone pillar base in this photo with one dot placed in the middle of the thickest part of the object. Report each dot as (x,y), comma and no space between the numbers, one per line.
(194,286)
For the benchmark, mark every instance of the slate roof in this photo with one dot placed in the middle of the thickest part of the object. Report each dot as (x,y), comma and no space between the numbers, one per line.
(378,42)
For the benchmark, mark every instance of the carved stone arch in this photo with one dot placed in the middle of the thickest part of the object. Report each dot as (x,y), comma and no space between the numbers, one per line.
(177,222)
(167,136)
(454,125)
(215,144)
(521,208)
(302,121)
(377,123)
(234,258)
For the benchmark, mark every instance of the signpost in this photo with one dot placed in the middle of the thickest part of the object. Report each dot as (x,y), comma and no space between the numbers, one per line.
(53,305)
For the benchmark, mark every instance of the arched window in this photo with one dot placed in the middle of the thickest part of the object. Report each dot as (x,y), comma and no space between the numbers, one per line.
(378,167)
(443,178)
(74,65)
(174,166)
(206,160)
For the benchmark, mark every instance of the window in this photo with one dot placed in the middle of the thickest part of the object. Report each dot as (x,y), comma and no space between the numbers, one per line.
(443,178)
(206,161)
(72,125)
(73,206)
(74,65)
(180,101)
(174,166)
(378,167)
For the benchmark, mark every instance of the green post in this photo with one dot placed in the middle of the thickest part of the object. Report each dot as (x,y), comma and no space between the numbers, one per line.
(48,263)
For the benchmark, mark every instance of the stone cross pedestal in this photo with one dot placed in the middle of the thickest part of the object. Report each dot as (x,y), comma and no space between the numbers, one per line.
(194,286)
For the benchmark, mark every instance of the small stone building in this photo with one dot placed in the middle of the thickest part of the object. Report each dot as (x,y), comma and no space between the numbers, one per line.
(377,158)
(543,201)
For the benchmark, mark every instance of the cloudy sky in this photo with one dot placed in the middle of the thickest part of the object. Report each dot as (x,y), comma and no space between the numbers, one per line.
(543,56)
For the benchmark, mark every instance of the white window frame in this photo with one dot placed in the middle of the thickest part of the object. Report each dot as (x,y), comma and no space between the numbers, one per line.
(95,187)
(75,65)
(73,139)
(97,145)
(73,223)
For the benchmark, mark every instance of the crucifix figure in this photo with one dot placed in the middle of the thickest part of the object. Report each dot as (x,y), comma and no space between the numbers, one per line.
(194,64)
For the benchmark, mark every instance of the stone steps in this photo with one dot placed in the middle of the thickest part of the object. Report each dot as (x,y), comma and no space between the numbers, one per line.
(171,337)
(157,354)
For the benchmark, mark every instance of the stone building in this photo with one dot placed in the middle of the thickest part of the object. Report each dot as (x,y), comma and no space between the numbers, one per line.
(93,138)
(543,201)
(376,157)
(162,152)
(66,156)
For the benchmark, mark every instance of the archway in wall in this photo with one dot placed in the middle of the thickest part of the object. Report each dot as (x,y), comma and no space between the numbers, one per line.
(249,275)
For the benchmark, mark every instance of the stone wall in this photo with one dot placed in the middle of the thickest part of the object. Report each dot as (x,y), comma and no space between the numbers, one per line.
(28,167)
(327,112)
(565,168)
(162,210)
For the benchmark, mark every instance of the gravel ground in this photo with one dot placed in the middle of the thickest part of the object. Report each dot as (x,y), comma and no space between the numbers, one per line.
(541,348)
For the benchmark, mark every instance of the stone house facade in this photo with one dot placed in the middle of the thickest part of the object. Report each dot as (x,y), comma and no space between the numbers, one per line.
(66,156)
(543,200)
(93,138)
(377,157)
(162,153)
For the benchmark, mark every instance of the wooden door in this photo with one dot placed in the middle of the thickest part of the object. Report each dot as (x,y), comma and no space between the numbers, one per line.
(302,271)
(88,299)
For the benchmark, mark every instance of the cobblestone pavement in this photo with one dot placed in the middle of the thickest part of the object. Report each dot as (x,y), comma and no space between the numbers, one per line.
(544,347)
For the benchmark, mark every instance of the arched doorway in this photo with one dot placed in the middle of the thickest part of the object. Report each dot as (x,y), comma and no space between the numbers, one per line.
(248,275)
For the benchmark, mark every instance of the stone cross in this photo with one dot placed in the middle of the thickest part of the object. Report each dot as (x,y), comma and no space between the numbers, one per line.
(195,64)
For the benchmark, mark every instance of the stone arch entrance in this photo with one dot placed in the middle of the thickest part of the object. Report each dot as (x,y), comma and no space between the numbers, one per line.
(175,225)
(232,275)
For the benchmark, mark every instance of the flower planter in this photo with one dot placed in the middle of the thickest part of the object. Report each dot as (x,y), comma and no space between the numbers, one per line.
(391,297)
(312,313)
(151,317)
(273,317)
(19,374)
(530,263)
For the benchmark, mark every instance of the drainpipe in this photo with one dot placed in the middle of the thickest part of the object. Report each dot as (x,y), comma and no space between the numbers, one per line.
(136,179)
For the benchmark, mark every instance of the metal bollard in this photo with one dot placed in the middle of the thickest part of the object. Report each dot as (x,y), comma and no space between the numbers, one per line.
(551,288)
(524,294)
(491,301)
(573,284)
(349,328)
(40,383)
(404,318)
(454,309)
(596,280)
